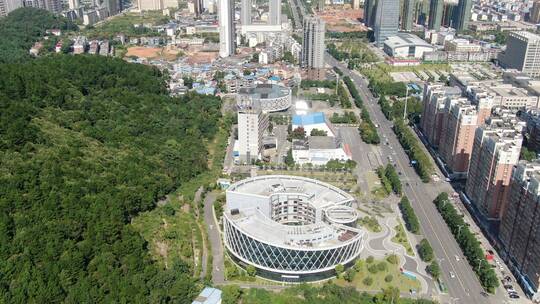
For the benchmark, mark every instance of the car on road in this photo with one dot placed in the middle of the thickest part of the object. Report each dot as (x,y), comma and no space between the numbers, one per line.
(514,296)
(457,258)
(452,275)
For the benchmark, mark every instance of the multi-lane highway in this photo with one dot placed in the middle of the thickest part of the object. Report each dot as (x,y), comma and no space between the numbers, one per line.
(462,283)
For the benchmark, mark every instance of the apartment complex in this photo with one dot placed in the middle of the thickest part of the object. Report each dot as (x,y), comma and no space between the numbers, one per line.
(457,135)
(6,6)
(532,120)
(519,226)
(496,150)
(252,123)
(534,15)
(435,96)
(463,15)
(522,53)
(313,47)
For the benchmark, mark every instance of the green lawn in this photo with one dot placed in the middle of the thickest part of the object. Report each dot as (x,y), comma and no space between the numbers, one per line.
(401,239)
(403,283)
(370,223)
(125,24)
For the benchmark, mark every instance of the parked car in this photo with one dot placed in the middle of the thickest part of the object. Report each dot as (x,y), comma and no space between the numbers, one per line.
(514,296)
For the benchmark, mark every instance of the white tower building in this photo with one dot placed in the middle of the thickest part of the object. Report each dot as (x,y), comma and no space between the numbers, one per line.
(226,28)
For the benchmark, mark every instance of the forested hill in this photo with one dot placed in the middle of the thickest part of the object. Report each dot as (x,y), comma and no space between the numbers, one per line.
(23,27)
(86,143)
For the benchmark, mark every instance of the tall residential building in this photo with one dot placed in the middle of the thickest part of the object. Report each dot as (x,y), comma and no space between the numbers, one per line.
(435,96)
(252,123)
(54,6)
(422,11)
(313,46)
(534,16)
(6,6)
(355,4)
(519,226)
(227,44)
(435,14)
(457,135)
(522,53)
(150,5)
(274,13)
(463,15)
(245,12)
(370,9)
(496,150)
(407,15)
(386,21)
(449,10)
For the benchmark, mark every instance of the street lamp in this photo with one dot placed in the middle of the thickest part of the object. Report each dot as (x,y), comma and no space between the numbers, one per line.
(406,96)
(480,264)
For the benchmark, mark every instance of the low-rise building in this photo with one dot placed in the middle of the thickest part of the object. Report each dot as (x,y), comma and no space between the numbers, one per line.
(313,121)
(404,45)
(319,150)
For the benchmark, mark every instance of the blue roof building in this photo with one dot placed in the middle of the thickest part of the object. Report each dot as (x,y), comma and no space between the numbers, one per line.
(209,295)
(308,119)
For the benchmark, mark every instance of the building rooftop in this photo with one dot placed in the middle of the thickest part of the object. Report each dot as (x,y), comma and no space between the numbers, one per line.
(308,119)
(532,37)
(405,39)
(322,142)
(208,295)
(322,197)
(265,91)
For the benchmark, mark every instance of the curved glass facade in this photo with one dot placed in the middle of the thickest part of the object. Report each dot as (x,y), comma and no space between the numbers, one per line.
(280,260)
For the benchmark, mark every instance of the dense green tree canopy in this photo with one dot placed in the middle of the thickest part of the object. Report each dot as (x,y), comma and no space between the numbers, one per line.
(86,143)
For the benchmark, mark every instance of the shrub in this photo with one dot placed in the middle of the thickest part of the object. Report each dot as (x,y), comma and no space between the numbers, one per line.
(382,266)
(388,278)
(392,259)
(367,281)
(370,259)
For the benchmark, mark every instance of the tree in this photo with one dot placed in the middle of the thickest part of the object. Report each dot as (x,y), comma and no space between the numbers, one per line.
(382,266)
(367,281)
(370,259)
(339,270)
(349,275)
(434,270)
(289,159)
(411,221)
(317,132)
(231,294)
(248,72)
(391,294)
(298,133)
(251,270)
(425,251)
(288,57)
(526,154)
(388,278)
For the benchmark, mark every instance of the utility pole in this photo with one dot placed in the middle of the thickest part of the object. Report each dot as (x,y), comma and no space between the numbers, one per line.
(406,97)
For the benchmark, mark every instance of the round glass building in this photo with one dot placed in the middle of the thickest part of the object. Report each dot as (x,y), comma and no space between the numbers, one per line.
(290,228)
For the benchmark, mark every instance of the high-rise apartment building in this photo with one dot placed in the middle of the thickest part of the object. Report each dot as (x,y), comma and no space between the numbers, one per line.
(496,150)
(252,123)
(407,15)
(534,16)
(355,4)
(449,10)
(6,6)
(54,6)
(435,14)
(522,53)
(274,12)
(386,21)
(457,135)
(227,44)
(245,12)
(463,15)
(313,46)
(435,96)
(370,9)
(519,226)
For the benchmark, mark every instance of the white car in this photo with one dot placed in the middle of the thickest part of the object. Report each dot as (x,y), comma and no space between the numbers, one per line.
(452,275)
(457,258)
